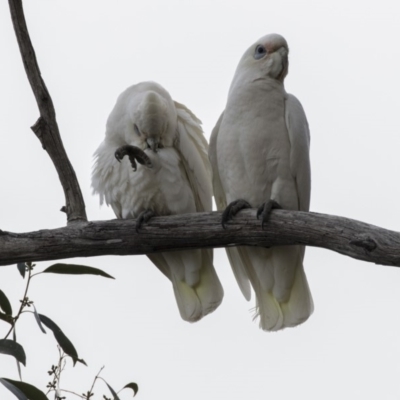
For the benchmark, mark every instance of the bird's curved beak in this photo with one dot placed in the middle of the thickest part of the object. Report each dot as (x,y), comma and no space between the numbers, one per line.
(285,66)
(153,144)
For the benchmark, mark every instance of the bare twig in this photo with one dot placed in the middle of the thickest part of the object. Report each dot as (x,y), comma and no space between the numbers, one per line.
(69,391)
(46,128)
(56,372)
(95,379)
(24,301)
(118,237)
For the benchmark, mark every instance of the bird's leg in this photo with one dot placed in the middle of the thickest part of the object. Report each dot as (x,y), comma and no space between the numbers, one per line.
(232,209)
(134,153)
(265,210)
(144,216)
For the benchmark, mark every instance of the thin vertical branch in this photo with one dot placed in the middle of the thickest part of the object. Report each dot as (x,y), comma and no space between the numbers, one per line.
(46,128)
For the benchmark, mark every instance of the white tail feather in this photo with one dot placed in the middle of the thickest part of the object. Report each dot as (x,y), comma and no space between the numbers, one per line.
(278,304)
(239,270)
(197,288)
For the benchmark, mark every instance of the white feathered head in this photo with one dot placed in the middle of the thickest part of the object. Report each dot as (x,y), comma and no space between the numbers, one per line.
(144,116)
(268,57)
(151,120)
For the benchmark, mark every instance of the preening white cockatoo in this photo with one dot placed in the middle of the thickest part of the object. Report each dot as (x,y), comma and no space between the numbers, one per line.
(259,151)
(173,177)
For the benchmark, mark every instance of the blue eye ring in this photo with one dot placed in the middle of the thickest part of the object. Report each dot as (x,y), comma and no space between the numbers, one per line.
(260,52)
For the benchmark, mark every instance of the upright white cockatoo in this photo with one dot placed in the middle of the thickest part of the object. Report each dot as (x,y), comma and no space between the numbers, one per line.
(259,152)
(173,177)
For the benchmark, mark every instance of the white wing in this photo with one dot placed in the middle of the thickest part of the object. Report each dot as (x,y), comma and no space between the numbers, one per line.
(206,295)
(193,147)
(219,194)
(299,136)
(235,259)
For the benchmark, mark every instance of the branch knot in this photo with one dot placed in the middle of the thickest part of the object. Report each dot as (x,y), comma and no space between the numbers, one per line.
(366,242)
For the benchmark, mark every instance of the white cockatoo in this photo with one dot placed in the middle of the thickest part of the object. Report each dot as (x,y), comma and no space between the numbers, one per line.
(259,152)
(174,177)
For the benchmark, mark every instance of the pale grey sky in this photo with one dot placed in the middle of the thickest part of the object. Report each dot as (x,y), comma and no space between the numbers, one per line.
(344,63)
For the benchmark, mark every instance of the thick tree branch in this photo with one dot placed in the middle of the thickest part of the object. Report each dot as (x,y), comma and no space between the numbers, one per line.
(118,237)
(46,128)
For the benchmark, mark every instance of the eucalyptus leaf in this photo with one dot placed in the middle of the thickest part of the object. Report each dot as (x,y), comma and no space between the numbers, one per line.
(14,349)
(39,322)
(23,390)
(132,386)
(62,340)
(73,269)
(13,389)
(22,269)
(113,392)
(18,365)
(5,304)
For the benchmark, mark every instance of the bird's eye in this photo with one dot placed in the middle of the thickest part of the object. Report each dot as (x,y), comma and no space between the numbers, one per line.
(260,52)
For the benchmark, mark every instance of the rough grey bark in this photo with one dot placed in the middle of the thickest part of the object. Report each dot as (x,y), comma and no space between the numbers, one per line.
(46,128)
(118,237)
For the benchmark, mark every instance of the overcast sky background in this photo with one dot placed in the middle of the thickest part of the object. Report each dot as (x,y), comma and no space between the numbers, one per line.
(344,68)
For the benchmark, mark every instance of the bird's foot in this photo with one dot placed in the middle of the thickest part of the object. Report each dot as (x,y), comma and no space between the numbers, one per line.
(232,209)
(265,210)
(134,154)
(143,217)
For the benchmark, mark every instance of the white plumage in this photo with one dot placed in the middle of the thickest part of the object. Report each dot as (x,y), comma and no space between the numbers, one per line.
(259,151)
(179,181)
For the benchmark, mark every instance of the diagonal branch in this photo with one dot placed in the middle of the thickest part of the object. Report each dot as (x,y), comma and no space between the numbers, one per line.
(118,237)
(46,128)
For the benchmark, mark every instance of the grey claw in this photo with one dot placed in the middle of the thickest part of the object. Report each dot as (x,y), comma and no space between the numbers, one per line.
(144,216)
(134,153)
(260,210)
(117,155)
(232,209)
(265,210)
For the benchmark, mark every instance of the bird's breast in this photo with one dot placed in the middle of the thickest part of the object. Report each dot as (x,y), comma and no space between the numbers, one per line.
(253,145)
(163,188)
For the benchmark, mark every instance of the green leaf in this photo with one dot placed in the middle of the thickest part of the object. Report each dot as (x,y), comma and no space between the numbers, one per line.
(22,269)
(22,390)
(18,365)
(62,340)
(132,386)
(13,389)
(5,304)
(111,390)
(35,313)
(73,269)
(14,349)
